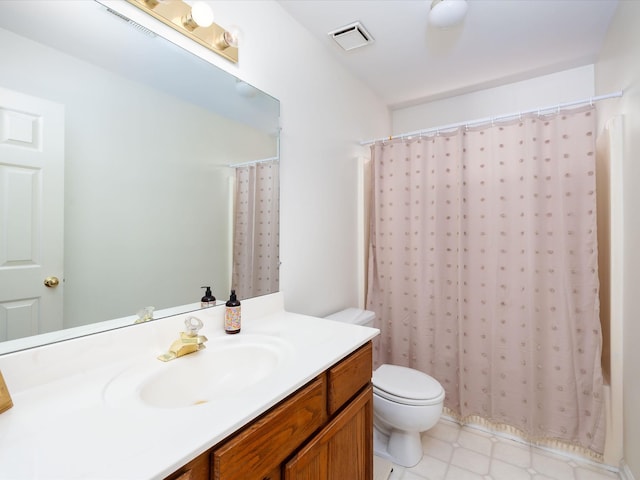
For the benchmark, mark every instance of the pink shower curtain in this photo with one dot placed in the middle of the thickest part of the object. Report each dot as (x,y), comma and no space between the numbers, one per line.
(483,271)
(256,230)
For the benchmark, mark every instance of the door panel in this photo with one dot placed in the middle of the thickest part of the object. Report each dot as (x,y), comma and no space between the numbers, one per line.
(31,214)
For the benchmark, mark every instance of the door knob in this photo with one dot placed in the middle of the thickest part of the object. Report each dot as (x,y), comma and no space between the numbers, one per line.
(51,282)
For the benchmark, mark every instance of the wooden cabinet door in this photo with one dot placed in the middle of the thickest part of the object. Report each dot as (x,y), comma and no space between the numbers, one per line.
(256,452)
(342,450)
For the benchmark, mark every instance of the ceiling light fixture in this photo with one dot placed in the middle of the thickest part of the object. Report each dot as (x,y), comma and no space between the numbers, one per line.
(447,13)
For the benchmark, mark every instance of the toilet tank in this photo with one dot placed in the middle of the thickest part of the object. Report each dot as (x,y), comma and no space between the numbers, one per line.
(356,316)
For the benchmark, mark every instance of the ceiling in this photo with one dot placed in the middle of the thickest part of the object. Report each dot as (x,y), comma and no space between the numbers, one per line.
(500,41)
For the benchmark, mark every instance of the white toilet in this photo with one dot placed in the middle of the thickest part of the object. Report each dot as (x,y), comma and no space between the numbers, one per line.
(406,402)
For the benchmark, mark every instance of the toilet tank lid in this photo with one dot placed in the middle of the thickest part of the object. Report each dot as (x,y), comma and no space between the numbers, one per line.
(357,316)
(406,382)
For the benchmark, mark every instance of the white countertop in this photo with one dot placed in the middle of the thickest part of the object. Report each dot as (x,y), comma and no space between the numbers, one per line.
(67,423)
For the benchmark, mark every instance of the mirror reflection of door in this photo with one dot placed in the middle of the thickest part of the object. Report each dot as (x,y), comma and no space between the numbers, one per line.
(31,206)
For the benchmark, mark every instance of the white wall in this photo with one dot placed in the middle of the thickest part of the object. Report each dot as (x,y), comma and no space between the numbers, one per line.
(618,68)
(325,112)
(544,91)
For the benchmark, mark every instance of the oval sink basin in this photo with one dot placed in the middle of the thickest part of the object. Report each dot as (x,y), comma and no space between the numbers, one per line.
(226,367)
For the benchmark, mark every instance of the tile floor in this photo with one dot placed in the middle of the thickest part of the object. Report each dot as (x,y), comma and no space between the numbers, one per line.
(465,453)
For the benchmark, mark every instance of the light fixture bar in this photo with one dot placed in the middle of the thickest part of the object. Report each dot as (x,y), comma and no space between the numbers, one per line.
(173,13)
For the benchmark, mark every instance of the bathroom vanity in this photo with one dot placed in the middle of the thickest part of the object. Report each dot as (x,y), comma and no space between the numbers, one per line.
(287,398)
(322,431)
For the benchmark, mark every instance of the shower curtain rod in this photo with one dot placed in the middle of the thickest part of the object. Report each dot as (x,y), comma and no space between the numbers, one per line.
(498,118)
(253,162)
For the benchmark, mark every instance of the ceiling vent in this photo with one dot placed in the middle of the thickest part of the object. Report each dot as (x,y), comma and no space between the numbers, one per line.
(352,36)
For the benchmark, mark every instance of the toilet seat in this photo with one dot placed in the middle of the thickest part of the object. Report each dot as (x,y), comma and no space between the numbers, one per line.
(406,386)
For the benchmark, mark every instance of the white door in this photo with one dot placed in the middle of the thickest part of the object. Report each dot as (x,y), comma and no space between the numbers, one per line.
(31,214)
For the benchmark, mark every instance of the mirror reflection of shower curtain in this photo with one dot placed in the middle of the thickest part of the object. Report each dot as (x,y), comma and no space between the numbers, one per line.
(256,230)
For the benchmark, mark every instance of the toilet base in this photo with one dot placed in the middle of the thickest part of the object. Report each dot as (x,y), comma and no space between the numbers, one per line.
(401,448)
(380,444)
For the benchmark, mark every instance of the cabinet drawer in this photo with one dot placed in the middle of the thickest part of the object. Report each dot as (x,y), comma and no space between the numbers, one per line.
(349,376)
(258,449)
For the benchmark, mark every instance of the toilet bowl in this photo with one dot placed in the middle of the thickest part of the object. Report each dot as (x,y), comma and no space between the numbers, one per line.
(406,402)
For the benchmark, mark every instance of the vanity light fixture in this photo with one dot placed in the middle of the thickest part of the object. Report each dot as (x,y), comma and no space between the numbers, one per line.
(195,21)
(447,13)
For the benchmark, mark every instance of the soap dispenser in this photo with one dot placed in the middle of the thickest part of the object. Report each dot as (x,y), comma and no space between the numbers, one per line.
(232,314)
(208,300)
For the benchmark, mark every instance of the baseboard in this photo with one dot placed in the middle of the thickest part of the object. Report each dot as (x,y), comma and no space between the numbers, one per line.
(625,472)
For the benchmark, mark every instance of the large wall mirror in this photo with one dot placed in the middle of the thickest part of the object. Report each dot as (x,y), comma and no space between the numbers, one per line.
(151,139)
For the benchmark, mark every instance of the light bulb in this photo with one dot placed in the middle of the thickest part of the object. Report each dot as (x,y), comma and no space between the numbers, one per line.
(202,14)
(227,39)
(231,38)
